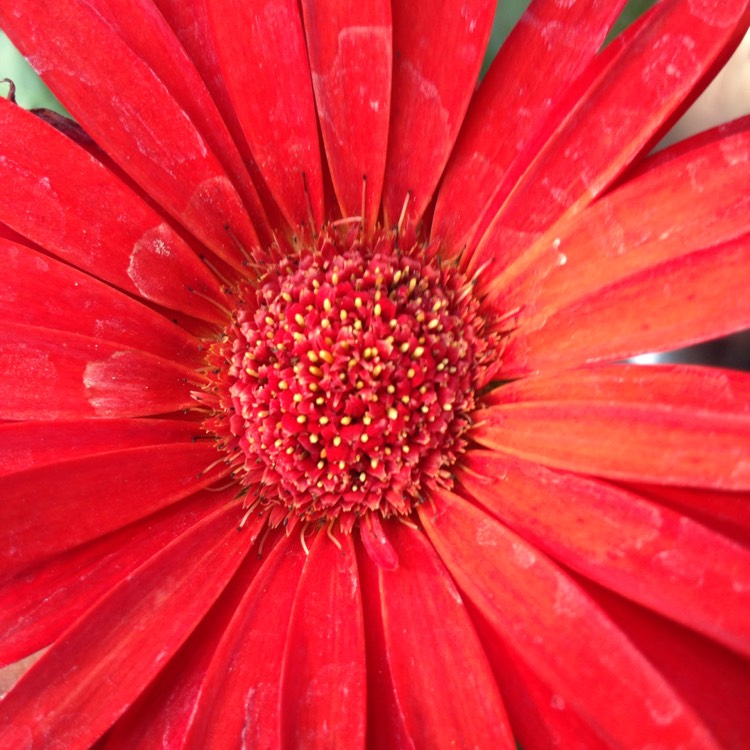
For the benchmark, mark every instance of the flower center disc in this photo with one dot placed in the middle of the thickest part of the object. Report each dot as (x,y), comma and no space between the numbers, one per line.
(353,369)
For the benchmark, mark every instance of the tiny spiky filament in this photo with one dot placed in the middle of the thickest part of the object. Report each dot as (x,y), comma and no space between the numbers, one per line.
(347,378)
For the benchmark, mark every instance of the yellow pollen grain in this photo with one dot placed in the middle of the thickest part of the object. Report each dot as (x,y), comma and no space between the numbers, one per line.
(343,315)
(316,371)
(283,385)
(362,476)
(374,463)
(378,310)
(312,356)
(334,278)
(297,398)
(410,373)
(269,320)
(358,302)
(325,323)
(320,401)
(357,325)
(434,323)
(337,441)
(390,389)
(299,319)
(314,438)
(418,352)
(364,437)
(404,347)
(301,419)
(367,419)
(377,370)
(323,420)
(327,305)
(346,420)
(326,356)
(392,413)
(447,407)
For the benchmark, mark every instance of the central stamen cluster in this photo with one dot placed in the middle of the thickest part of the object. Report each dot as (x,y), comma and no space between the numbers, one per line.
(353,369)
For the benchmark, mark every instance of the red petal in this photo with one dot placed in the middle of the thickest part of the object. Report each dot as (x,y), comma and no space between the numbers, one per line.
(269,59)
(143,128)
(666,425)
(242,692)
(386,723)
(29,445)
(376,542)
(714,681)
(162,715)
(615,249)
(350,49)
(725,512)
(684,301)
(645,552)
(53,375)
(62,199)
(540,717)
(43,601)
(40,291)
(324,675)
(88,678)
(85,498)
(437,51)
(545,52)
(146,32)
(615,112)
(439,703)
(559,631)
(191,25)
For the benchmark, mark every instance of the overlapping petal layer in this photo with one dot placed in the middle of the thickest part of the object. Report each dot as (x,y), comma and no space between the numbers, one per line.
(578,578)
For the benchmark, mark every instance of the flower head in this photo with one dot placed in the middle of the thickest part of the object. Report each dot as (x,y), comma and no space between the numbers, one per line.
(317,429)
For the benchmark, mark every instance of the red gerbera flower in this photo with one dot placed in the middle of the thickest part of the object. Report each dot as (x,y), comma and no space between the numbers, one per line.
(289,277)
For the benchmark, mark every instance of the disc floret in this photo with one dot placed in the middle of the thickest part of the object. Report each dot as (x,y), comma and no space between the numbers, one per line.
(347,379)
